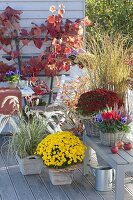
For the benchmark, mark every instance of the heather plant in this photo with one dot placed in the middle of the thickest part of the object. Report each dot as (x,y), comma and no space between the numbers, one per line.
(113,120)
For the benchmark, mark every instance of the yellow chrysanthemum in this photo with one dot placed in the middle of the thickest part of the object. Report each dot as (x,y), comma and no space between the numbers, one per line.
(61,149)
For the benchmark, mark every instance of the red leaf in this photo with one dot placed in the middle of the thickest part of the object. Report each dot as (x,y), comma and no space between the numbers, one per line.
(15,54)
(58,48)
(51,19)
(24,32)
(25,42)
(11,11)
(38,43)
(67,50)
(37,31)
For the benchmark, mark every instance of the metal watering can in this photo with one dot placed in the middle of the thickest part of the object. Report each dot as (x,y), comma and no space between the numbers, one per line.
(104,177)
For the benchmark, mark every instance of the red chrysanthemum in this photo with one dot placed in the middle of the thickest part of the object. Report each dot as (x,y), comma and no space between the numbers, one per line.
(93,101)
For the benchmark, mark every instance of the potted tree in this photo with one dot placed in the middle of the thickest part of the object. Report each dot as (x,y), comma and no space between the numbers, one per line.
(24,142)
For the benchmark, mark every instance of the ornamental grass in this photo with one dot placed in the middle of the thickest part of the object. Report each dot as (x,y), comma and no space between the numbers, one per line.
(61,150)
(106,63)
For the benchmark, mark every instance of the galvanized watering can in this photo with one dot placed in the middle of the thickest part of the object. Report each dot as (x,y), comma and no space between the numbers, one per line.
(104,177)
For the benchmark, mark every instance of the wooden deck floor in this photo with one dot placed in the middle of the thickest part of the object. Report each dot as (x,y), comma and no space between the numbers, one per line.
(15,186)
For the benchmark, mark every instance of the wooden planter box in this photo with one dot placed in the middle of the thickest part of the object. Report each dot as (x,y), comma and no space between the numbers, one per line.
(30,165)
(58,177)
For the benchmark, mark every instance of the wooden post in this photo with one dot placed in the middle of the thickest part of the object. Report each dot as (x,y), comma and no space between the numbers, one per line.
(17,42)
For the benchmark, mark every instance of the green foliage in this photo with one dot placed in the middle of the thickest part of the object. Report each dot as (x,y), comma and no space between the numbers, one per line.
(113,127)
(111,16)
(27,136)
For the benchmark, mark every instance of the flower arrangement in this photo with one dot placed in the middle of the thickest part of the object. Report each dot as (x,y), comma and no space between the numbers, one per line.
(112,121)
(60,150)
(93,101)
(12,76)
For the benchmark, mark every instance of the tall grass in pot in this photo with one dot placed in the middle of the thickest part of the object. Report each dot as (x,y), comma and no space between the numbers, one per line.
(106,63)
(24,142)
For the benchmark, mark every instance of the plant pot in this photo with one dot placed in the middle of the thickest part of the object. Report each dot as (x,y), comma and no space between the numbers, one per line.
(30,165)
(12,84)
(109,139)
(90,127)
(59,177)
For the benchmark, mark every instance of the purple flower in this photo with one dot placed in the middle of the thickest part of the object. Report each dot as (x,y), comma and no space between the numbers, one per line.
(17,72)
(99,118)
(10,73)
(124,119)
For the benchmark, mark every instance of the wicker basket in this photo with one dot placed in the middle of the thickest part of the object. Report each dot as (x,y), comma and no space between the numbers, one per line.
(90,127)
(109,139)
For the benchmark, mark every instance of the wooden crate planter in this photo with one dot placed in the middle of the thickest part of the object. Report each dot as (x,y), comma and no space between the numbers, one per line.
(59,177)
(30,165)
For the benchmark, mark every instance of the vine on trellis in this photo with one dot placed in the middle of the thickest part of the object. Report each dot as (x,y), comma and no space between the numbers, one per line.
(60,38)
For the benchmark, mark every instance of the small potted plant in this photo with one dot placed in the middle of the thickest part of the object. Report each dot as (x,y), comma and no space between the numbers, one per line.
(91,102)
(61,152)
(12,77)
(24,142)
(113,125)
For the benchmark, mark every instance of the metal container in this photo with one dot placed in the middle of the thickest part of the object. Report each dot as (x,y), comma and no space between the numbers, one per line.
(104,178)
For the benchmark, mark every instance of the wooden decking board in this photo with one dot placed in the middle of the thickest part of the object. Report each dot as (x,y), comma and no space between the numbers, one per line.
(15,186)
(104,195)
(38,188)
(85,187)
(73,192)
(7,190)
(55,191)
(0,197)
(110,195)
(21,187)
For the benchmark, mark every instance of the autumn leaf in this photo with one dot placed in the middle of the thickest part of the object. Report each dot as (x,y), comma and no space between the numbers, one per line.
(61,12)
(38,43)
(24,32)
(87,22)
(25,42)
(58,48)
(51,19)
(54,42)
(15,54)
(52,9)
(37,31)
